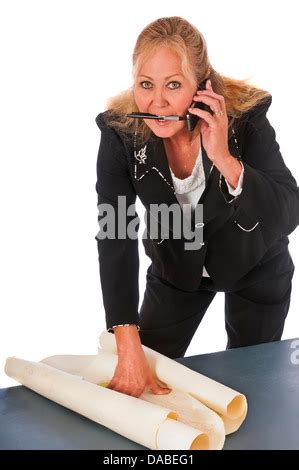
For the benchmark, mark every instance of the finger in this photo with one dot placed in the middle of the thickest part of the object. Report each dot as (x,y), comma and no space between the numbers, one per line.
(131,393)
(116,385)
(210,93)
(157,390)
(136,393)
(160,391)
(111,384)
(203,114)
(121,388)
(212,102)
(209,97)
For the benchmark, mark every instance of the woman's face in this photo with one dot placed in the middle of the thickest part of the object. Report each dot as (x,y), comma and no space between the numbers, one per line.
(161,88)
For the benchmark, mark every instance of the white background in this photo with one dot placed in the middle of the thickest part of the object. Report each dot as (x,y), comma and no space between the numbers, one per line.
(61,59)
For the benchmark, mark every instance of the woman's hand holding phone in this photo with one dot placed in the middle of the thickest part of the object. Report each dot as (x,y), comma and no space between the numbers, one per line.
(213,127)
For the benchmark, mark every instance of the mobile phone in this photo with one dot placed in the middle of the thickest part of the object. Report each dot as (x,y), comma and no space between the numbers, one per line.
(191,119)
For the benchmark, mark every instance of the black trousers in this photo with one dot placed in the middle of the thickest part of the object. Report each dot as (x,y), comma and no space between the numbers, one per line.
(255,308)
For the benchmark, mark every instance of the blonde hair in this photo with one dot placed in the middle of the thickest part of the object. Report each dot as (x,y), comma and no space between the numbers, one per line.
(187,41)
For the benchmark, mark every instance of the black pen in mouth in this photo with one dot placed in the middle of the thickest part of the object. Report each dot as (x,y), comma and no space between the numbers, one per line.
(160,118)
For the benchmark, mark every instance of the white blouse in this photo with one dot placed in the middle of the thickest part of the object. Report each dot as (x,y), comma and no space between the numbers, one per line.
(190,189)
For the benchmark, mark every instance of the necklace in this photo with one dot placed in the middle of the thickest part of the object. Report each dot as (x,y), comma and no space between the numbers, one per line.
(183,164)
(192,181)
(182,157)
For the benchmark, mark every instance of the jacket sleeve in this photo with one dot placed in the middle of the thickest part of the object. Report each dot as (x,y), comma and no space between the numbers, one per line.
(270,195)
(117,249)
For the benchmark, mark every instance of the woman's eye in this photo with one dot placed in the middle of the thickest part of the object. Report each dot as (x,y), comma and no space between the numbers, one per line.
(177,85)
(147,83)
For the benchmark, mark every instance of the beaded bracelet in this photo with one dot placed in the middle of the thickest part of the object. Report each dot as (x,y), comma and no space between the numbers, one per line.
(111,329)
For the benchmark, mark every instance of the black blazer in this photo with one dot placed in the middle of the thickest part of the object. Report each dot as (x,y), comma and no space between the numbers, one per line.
(239,233)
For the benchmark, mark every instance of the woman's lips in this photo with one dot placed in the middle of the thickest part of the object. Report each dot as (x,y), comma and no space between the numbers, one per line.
(162,123)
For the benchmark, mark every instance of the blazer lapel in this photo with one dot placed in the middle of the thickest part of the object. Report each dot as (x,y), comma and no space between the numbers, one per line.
(152,174)
(151,165)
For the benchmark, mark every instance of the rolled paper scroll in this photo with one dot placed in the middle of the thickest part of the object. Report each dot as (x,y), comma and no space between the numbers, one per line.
(100,369)
(228,403)
(196,414)
(138,420)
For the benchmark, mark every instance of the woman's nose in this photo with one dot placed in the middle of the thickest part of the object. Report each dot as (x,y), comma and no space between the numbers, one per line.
(159,98)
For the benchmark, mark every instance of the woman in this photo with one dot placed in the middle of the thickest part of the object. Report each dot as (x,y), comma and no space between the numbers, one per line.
(231,166)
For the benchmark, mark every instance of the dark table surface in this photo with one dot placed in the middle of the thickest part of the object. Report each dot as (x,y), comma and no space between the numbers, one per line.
(268,374)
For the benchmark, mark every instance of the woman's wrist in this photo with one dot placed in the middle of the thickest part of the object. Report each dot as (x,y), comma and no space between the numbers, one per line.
(127,338)
(231,168)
